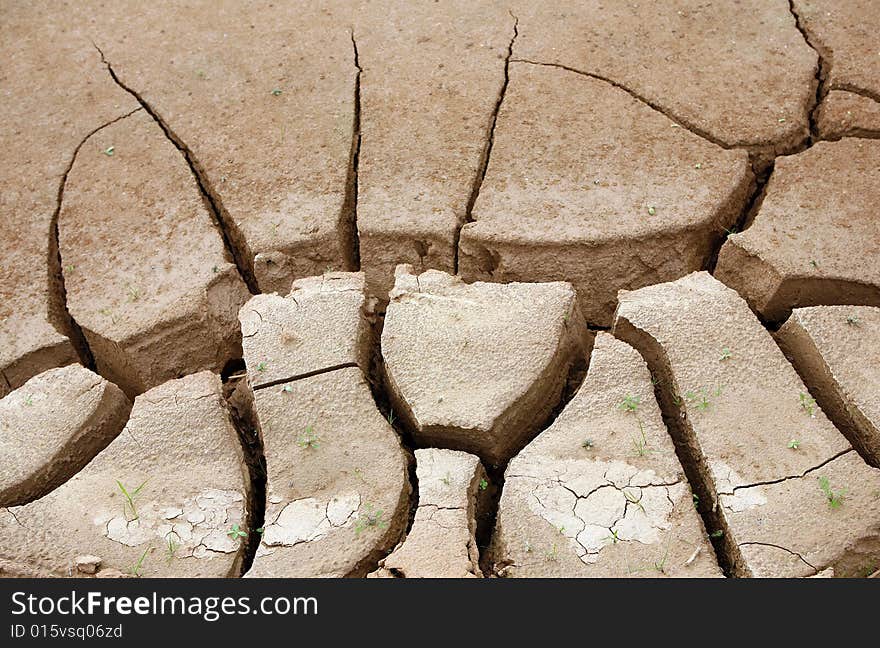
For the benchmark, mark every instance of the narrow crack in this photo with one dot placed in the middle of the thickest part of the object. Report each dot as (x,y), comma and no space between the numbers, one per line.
(351,244)
(638,97)
(233,240)
(487,148)
(59,312)
(302,376)
(793,553)
(239,404)
(788,477)
(823,69)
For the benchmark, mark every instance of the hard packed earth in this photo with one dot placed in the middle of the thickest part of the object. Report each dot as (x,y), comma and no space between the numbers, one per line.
(373,288)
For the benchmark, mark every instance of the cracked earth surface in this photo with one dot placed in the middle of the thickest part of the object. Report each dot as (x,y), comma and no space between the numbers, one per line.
(449,289)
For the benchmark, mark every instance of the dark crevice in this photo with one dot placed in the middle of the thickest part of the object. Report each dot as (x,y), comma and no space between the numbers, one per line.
(823,68)
(687,447)
(239,401)
(351,244)
(746,216)
(302,376)
(487,148)
(59,314)
(233,240)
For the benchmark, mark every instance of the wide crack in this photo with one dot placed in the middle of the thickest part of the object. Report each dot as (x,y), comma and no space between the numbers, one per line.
(233,240)
(59,311)
(351,244)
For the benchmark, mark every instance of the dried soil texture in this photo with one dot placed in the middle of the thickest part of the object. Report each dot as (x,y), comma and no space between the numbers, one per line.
(167,498)
(52,426)
(606,203)
(787,492)
(478,367)
(836,349)
(337,483)
(40,132)
(815,238)
(145,268)
(601,492)
(441,542)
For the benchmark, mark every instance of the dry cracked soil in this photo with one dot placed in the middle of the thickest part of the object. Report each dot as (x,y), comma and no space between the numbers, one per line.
(456,289)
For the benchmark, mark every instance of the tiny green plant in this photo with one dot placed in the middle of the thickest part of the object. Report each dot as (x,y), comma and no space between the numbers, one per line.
(814,263)
(698,165)
(553,554)
(134,294)
(640,444)
(484,484)
(236,533)
(794,444)
(370,519)
(834,497)
(652,210)
(287,388)
(29,401)
(808,404)
(733,230)
(717,534)
(726,354)
(128,505)
(138,568)
(172,542)
(587,444)
(391,418)
(262,366)
(630,403)
(660,565)
(308,438)
(445,480)
(632,499)
(853,320)
(696,501)
(276,92)
(109,151)
(699,399)
(614,538)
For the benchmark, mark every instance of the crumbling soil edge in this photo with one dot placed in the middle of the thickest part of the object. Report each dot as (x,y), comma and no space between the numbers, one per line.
(233,240)
(59,313)
(487,149)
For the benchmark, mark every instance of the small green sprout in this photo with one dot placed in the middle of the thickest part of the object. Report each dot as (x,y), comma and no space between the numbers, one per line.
(629,403)
(834,497)
(172,542)
(445,480)
(698,165)
(853,320)
(109,151)
(287,388)
(726,354)
(660,565)
(262,366)
(587,444)
(484,484)
(215,269)
(814,263)
(134,294)
(308,439)
(632,499)
(641,445)
(717,534)
(652,210)
(696,500)
(794,444)
(614,538)
(138,567)
(733,230)
(700,399)
(808,404)
(29,401)
(236,533)
(391,417)
(276,92)
(128,505)
(370,518)
(781,120)
(553,554)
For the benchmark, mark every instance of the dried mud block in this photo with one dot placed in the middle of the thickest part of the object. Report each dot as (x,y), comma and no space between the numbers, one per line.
(845,34)
(738,73)
(813,234)
(478,367)
(441,543)
(263,98)
(601,492)
(146,272)
(40,131)
(844,114)
(319,325)
(338,490)
(587,184)
(786,491)
(432,74)
(836,349)
(167,498)
(52,426)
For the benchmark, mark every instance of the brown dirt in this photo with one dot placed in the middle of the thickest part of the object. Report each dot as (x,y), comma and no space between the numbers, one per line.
(222,192)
